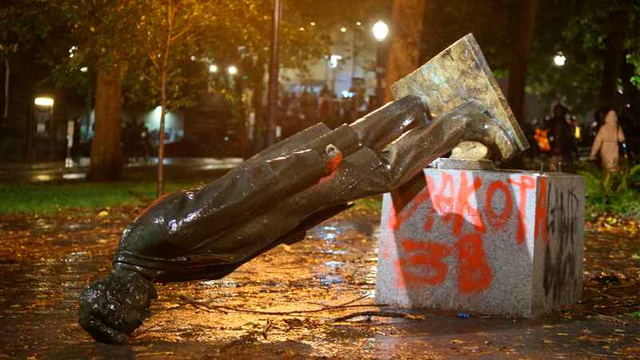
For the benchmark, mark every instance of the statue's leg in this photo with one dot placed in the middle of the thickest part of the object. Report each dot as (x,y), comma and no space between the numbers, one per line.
(384,125)
(405,157)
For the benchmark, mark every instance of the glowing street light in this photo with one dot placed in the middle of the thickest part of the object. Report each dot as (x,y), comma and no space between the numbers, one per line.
(343,29)
(44,101)
(84,69)
(380,30)
(213,68)
(559,59)
(232,70)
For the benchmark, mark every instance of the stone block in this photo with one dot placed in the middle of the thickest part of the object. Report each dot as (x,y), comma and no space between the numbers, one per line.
(493,242)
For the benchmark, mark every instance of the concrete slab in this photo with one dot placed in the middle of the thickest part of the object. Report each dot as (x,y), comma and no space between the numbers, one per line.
(495,242)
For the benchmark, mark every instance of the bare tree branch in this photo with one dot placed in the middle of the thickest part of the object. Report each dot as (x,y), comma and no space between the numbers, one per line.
(151,80)
(155,63)
(181,33)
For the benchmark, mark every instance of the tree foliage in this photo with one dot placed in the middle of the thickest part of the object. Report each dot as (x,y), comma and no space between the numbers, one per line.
(131,35)
(493,23)
(579,29)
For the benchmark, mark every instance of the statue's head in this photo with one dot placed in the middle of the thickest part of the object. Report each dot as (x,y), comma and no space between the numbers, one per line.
(113,307)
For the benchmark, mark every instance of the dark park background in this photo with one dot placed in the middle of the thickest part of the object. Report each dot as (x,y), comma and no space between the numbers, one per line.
(106,105)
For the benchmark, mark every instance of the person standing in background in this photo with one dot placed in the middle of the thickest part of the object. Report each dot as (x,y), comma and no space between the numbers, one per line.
(560,137)
(606,142)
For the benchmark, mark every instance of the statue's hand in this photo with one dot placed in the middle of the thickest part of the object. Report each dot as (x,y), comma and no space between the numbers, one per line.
(113,307)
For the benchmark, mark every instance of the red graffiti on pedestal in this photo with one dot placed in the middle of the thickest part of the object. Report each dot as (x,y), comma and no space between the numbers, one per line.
(498,221)
(474,274)
(427,258)
(425,263)
(526,183)
(541,212)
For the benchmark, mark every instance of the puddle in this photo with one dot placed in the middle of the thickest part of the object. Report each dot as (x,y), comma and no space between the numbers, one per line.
(328,233)
(333,264)
(328,280)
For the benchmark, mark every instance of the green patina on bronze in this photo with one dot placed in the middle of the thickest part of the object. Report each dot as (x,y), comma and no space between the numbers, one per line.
(458,74)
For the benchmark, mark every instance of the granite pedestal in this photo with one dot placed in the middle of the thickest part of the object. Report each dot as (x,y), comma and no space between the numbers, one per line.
(493,242)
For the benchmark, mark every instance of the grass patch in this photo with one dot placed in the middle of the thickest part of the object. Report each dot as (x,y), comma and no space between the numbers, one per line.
(15,198)
(46,198)
(371,203)
(616,193)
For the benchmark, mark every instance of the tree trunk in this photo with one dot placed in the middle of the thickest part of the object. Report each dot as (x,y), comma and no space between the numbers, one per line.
(431,45)
(613,58)
(274,66)
(7,73)
(160,185)
(163,97)
(404,48)
(106,152)
(520,57)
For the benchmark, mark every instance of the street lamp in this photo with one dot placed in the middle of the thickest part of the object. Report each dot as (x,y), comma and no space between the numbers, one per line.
(380,30)
(213,68)
(274,64)
(44,102)
(232,70)
(559,59)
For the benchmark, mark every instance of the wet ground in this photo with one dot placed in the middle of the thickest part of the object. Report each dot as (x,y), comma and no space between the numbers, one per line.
(288,302)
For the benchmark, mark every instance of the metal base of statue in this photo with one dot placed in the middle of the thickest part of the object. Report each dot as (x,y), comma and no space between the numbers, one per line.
(277,195)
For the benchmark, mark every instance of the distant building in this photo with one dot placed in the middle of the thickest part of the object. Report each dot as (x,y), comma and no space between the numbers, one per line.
(34,115)
(335,88)
(350,66)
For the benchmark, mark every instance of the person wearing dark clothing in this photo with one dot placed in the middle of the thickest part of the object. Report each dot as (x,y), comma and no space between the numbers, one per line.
(561,138)
(75,143)
(146,147)
(129,140)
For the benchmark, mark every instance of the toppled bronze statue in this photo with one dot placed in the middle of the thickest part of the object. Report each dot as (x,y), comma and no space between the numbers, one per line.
(275,197)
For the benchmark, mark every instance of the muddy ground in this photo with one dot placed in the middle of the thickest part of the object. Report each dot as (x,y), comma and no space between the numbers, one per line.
(288,302)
